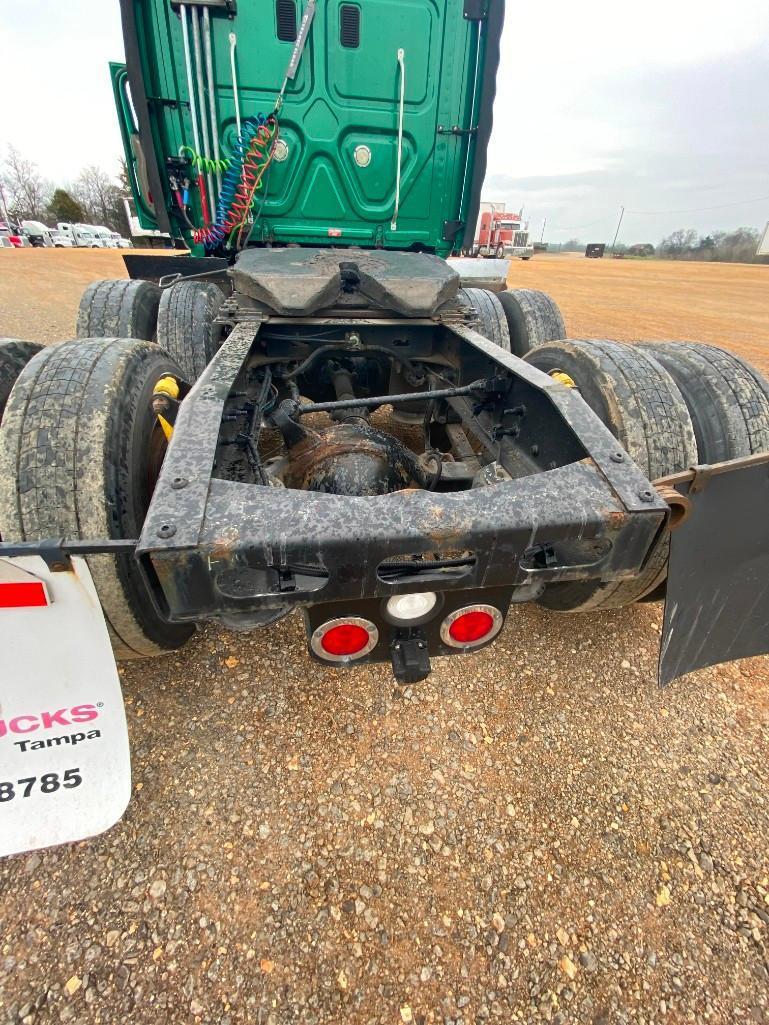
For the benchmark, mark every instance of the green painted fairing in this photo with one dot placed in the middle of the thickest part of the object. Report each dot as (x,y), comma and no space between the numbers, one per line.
(343,99)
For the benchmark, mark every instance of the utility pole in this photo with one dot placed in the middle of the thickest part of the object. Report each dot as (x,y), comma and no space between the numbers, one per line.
(542,236)
(616,233)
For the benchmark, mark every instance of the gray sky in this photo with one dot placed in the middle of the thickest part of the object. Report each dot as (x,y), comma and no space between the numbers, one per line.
(660,106)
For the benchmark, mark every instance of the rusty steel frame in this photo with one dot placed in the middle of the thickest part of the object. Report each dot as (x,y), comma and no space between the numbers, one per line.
(245,553)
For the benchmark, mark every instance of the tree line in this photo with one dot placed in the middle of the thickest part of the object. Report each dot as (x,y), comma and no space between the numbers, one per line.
(736,246)
(95,197)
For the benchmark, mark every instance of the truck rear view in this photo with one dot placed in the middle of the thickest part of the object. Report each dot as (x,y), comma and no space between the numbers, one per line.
(316,411)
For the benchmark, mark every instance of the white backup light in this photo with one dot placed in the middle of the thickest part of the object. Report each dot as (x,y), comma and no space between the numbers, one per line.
(411,606)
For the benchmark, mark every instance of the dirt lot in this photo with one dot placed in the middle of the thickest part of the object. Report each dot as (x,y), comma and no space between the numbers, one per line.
(537,833)
(626,299)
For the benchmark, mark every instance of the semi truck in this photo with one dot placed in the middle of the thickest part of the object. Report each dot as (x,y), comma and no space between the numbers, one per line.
(315,411)
(39,234)
(501,234)
(82,235)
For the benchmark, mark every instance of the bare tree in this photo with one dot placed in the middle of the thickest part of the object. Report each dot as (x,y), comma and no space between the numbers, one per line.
(27,193)
(101,197)
(737,246)
(679,243)
(94,190)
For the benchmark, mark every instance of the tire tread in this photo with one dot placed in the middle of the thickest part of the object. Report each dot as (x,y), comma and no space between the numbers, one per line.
(59,467)
(533,319)
(185,325)
(650,419)
(119,308)
(489,314)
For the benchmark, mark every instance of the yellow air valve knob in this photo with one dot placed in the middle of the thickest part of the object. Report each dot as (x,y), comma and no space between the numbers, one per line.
(562,378)
(167,386)
(165,403)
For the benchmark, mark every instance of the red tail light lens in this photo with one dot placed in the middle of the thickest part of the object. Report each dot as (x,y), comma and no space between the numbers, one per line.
(23,594)
(345,639)
(470,626)
(341,639)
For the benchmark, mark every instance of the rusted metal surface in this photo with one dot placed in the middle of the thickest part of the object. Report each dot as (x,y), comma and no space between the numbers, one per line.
(347,538)
(680,505)
(239,550)
(352,458)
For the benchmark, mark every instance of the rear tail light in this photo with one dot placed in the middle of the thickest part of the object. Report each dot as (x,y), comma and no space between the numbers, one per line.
(471,626)
(23,594)
(342,640)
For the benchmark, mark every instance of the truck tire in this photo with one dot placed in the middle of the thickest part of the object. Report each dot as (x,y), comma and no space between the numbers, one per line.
(14,356)
(640,403)
(533,319)
(80,449)
(727,399)
(119,309)
(186,326)
(490,318)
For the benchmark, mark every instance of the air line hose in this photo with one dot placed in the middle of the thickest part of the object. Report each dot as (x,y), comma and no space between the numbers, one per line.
(203,163)
(242,179)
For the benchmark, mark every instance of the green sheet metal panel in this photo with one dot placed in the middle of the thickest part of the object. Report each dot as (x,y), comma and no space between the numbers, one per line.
(343,100)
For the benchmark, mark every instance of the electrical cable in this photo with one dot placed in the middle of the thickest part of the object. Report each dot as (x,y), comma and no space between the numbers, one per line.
(256,185)
(182,203)
(701,209)
(253,152)
(204,163)
(254,166)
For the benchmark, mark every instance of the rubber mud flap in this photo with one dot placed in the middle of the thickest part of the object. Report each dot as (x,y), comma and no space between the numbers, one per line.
(717,606)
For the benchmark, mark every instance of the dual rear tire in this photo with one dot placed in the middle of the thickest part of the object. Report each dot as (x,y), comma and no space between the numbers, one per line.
(182,318)
(119,309)
(518,319)
(15,353)
(80,452)
(671,405)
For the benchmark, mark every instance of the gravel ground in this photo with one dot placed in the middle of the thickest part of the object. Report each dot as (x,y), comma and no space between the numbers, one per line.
(537,833)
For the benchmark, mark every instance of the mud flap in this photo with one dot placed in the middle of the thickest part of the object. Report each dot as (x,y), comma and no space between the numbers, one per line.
(65,771)
(717,605)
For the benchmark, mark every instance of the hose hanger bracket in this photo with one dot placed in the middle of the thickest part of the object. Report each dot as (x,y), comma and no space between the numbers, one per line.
(401,57)
(476,10)
(230,7)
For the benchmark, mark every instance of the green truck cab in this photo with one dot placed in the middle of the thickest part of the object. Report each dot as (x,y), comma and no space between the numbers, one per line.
(383,115)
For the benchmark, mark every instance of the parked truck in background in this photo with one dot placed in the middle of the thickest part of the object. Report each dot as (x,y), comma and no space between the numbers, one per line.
(118,242)
(39,234)
(501,234)
(81,234)
(141,236)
